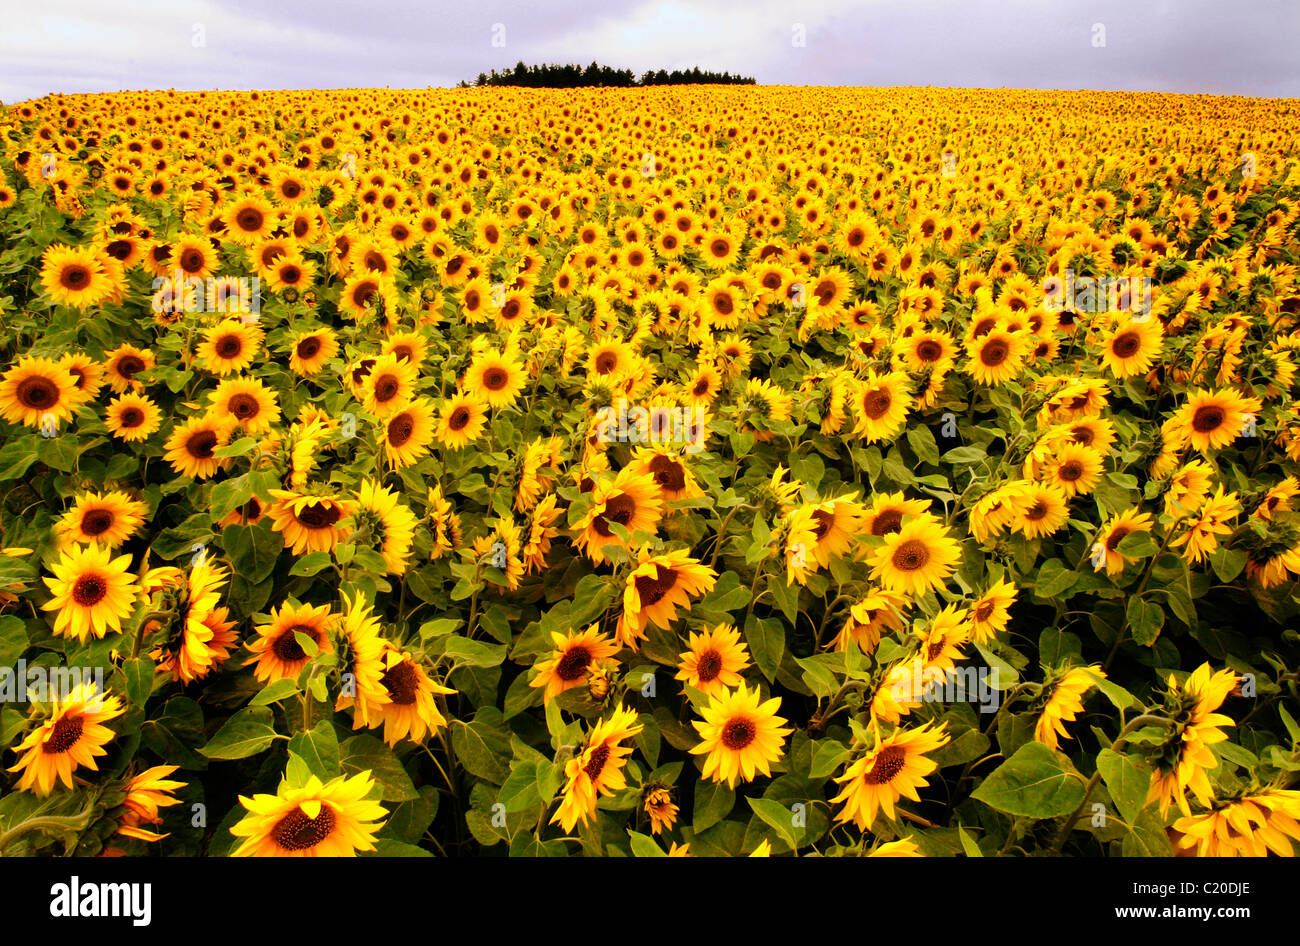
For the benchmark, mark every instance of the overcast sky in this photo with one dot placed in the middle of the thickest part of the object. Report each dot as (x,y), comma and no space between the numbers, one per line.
(1247,47)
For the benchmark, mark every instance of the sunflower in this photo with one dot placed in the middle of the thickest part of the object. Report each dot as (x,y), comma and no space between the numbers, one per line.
(541,531)
(1041,509)
(78,276)
(1252,825)
(92,591)
(539,455)
(996,358)
(406,346)
(598,769)
(741,735)
(332,819)
(408,433)
(887,511)
(630,499)
(1213,520)
(896,768)
(310,523)
(494,378)
(1187,489)
(311,350)
(869,618)
(411,711)
(197,641)
(903,847)
(245,402)
(1074,469)
(1211,420)
(388,386)
(568,664)
(1106,550)
(657,803)
(1065,703)
(37,392)
(882,403)
(462,419)
(124,363)
(132,417)
(657,587)
(192,446)
(991,611)
(1132,347)
(278,649)
(915,559)
(229,346)
(670,472)
(387,520)
(715,661)
(1186,754)
(146,793)
(105,518)
(74,735)
(249,220)
(361,654)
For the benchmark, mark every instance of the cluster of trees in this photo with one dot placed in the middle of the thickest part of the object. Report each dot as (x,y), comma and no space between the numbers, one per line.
(571,76)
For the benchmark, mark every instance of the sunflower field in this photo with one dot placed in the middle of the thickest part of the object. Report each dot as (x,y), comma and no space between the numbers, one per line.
(697,471)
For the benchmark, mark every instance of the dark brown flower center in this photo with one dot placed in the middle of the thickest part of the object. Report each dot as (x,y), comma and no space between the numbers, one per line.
(64,735)
(888,763)
(596,764)
(1116,536)
(620,509)
(386,389)
(74,276)
(296,832)
(994,353)
(400,429)
(191,261)
(652,590)
(243,406)
(1070,471)
(708,665)
(286,646)
(494,379)
(228,347)
(606,362)
(249,219)
(1208,419)
(319,515)
(738,733)
(891,520)
(309,348)
(876,404)
(89,590)
(201,444)
(573,664)
(37,393)
(1126,344)
(911,555)
(459,418)
(131,417)
(668,473)
(96,522)
(402,683)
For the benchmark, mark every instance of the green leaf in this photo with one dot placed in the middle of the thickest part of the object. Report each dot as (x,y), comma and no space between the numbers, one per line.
(275,692)
(482,745)
(1054,580)
(968,843)
(310,564)
(1032,783)
(786,596)
(645,846)
(923,442)
(713,802)
(1137,545)
(366,753)
(246,733)
(471,653)
(780,818)
(319,749)
(766,640)
(1145,619)
(1147,837)
(139,673)
(1126,780)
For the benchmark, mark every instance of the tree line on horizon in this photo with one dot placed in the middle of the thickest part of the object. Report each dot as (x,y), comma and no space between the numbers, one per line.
(552,76)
